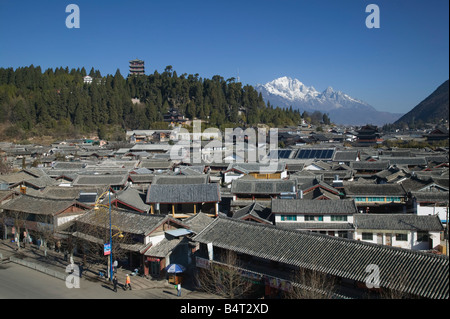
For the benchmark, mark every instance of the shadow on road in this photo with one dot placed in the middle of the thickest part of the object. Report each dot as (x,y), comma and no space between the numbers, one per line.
(108,287)
(168,292)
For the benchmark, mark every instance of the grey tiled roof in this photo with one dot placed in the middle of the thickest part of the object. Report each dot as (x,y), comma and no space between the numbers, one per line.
(315,226)
(360,189)
(183,193)
(397,222)
(437,158)
(255,210)
(320,193)
(421,274)
(198,222)
(405,160)
(365,165)
(431,197)
(256,167)
(180,179)
(260,186)
(310,206)
(345,156)
(307,186)
(100,180)
(39,182)
(38,205)
(164,247)
(414,184)
(141,178)
(58,192)
(154,164)
(131,197)
(128,221)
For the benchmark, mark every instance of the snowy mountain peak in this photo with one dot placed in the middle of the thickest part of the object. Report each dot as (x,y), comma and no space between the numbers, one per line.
(286,92)
(293,90)
(290,89)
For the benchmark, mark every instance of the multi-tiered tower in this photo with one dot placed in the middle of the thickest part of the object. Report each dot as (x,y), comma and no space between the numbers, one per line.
(137,67)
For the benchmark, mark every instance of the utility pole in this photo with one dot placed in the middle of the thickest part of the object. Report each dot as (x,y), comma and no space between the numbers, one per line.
(446,232)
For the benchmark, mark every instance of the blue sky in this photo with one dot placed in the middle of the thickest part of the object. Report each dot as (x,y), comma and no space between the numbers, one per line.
(322,42)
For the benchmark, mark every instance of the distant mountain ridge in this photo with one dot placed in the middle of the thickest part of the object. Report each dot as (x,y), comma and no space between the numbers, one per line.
(432,109)
(341,108)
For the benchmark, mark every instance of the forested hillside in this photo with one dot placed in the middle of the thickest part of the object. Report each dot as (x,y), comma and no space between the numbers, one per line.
(433,109)
(57,102)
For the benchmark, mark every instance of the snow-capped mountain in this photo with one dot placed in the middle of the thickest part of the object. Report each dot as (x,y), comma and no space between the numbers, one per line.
(290,89)
(341,108)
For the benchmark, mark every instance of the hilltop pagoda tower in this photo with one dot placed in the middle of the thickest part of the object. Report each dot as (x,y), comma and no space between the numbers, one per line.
(137,67)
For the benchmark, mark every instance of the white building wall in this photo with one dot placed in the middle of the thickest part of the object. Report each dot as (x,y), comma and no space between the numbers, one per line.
(384,237)
(228,178)
(154,239)
(62,220)
(427,210)
(424,245)
(301,218)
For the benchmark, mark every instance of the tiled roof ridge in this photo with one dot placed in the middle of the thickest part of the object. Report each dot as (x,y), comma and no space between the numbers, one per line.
(319,235)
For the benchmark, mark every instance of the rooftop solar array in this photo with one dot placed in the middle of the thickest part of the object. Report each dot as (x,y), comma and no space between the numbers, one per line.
(282,154)
(323,154)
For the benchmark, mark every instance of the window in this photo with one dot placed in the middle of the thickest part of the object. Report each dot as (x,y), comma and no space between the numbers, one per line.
(401,237)
(422,236)
(314,218)
(289,217)
(343,234)
(367,236)
(338,218)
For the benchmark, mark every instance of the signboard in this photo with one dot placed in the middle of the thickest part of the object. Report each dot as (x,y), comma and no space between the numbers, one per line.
(107,249)
(210,251)
(278,283)
(202,262)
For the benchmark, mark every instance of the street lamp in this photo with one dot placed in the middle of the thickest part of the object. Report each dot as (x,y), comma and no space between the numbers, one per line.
(110,239)
(96,205)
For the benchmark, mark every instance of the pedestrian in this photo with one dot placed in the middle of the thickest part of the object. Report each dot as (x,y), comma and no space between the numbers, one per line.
(115,283)
(115,264)
(81,269)
(128,282)
(179,290)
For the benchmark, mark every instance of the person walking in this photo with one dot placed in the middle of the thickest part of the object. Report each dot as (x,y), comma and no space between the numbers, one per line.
(179,290)
(128,282)
(115,283)
(115,264)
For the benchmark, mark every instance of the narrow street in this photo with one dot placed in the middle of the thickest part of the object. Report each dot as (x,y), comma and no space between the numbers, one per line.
(19,282)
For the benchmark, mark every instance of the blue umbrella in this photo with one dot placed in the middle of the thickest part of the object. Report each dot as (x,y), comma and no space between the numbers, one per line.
(175,269)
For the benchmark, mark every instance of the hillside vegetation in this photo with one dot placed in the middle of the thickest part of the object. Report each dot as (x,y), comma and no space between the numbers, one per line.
(57,102)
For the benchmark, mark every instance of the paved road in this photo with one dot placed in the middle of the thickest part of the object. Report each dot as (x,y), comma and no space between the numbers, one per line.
(19,282)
